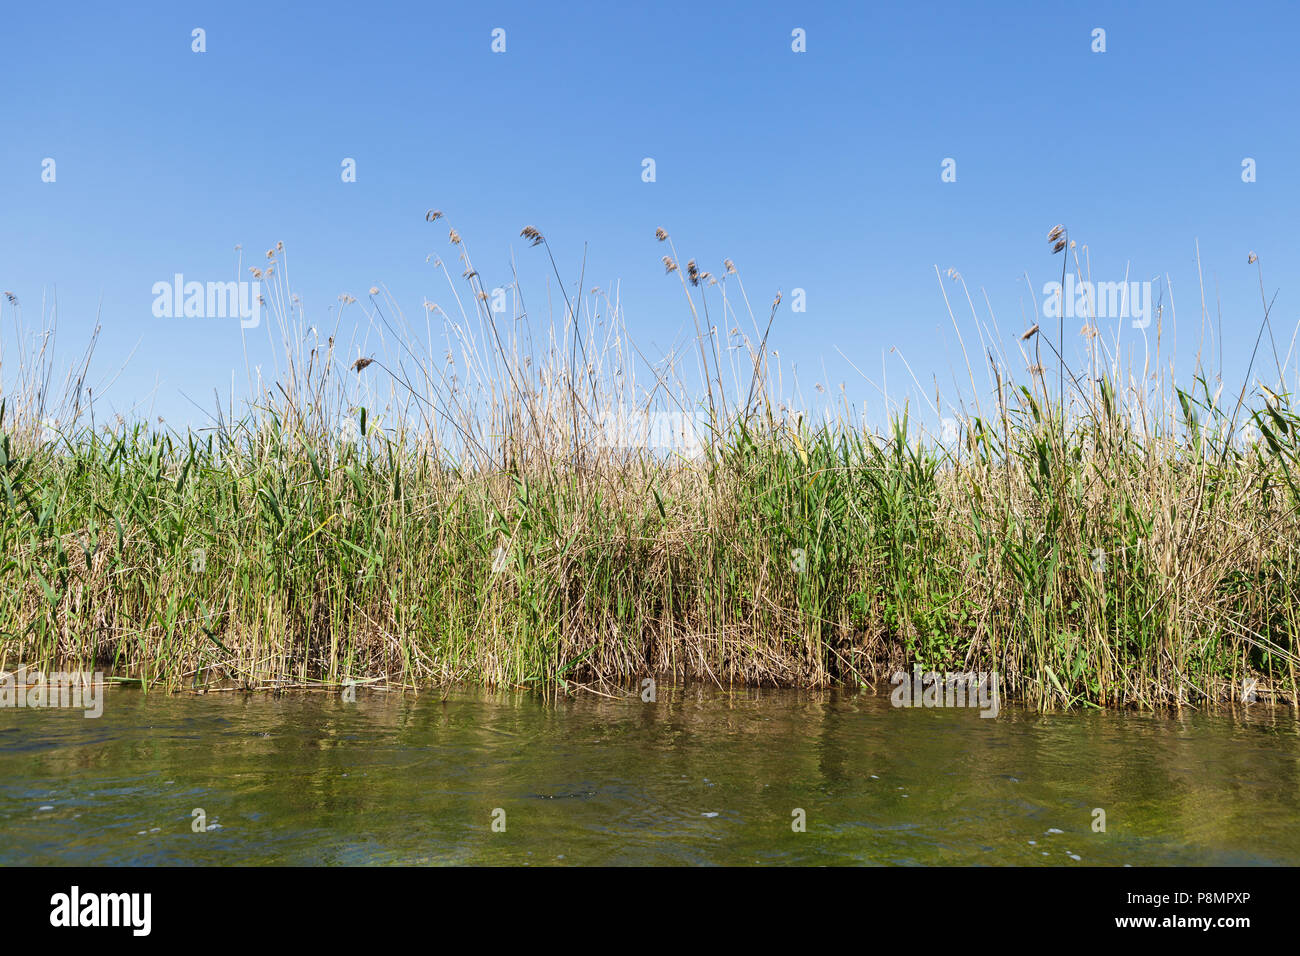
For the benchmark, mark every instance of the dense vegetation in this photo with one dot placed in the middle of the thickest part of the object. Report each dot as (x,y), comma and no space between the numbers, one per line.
(1144,553)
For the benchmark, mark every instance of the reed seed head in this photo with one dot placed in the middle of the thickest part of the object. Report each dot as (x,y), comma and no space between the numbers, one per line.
(1057,238)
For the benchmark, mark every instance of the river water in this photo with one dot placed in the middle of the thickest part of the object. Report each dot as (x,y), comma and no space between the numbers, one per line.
(700,776)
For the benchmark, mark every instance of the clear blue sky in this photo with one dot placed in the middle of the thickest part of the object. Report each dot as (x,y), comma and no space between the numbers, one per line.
(817,170)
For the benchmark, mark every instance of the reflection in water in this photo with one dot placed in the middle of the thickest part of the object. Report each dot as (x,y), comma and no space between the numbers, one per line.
(700,776)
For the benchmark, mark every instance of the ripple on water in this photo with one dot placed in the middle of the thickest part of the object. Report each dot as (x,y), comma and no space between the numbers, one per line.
(701,777)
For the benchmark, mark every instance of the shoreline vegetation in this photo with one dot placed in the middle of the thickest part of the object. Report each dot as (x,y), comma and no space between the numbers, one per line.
(476,499)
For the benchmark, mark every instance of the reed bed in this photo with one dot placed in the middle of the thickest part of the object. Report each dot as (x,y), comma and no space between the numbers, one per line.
(495,509)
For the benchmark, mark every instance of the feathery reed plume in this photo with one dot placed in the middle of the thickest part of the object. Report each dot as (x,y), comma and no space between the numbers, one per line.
(1058,237)
(1055,237)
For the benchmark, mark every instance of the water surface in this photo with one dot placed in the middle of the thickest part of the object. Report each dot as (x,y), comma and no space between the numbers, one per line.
(701,776)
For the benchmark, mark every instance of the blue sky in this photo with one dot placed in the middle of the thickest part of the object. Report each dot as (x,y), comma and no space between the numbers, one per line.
(817,170)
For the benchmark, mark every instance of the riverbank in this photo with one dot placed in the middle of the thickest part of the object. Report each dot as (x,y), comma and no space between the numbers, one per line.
(504,523)
(1102,572)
